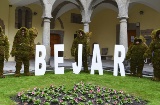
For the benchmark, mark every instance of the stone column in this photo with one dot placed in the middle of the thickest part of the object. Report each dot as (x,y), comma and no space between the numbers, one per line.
(123,16)
(47,9)
(86,27)
(86,14)
(46,38)
(123,33)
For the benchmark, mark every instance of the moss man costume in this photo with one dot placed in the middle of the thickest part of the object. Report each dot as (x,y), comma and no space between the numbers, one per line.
(33,34)
(21,50)
(4,50)
(135,54)
(82,38)
(154,53)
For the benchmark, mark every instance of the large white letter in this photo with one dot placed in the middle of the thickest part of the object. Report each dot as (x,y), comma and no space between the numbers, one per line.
(40,59)
(58,47)
(119,50)
(98,65)
(77,69)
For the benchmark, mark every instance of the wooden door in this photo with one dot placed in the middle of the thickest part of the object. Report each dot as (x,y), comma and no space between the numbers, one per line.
(131,35)
(54,39)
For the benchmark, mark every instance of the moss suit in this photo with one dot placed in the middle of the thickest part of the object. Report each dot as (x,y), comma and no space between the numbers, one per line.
(154,53)
(135,54)
(82,38)
(21,50)
(32,34)
(4,50)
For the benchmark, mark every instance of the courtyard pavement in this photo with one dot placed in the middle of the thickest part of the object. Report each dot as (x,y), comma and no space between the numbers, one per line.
(9,67)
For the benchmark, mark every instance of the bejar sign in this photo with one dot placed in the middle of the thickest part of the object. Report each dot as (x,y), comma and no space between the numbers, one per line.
(96,60)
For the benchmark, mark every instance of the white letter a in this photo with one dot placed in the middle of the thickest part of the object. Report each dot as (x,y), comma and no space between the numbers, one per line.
(96,65)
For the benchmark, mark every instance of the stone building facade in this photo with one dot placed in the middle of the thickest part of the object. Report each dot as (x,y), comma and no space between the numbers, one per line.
(53,9)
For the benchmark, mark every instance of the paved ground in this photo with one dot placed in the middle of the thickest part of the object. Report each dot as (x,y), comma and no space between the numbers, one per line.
(9,67)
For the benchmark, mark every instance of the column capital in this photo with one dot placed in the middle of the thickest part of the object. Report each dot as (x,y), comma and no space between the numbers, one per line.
(123,7)
(123,19)
(86,15)
(46,19)
(47,8)
(86,22)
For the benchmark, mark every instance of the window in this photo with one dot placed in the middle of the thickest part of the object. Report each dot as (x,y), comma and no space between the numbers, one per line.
(76,18)
(23,17)
(19,18)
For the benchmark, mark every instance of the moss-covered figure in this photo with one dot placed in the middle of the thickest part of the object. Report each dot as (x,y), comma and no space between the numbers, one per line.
(82,38)
(33,34)
(153,52)
(21,50)
(4,50)
(135,54)
(153,34)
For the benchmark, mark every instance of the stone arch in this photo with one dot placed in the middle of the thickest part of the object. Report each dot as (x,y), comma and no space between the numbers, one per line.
(60,21)
(80,5)
(108,1)
(109,4)
(23,17)
(152,4)
(93,4)
(56,10)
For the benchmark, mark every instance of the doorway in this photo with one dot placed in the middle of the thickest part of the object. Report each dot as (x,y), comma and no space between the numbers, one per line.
(54,39)
(131,36)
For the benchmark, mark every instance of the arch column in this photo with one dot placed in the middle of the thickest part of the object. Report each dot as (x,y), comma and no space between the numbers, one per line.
(123,16)
(86,15)
(47,8)
(46,37)
(123,39)
(86,27)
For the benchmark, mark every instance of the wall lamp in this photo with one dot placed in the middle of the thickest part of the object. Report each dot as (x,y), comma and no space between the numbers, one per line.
(141,12)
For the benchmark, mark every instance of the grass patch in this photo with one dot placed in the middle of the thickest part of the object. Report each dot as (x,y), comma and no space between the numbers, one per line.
(139,87)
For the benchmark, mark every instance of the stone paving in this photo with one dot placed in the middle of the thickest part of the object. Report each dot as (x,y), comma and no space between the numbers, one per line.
(9,67)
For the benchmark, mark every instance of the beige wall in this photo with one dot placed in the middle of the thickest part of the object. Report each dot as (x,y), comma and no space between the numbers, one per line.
(103,26)
(149,20)
(37,20)
(69,31)
(4,13)
(9,20)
